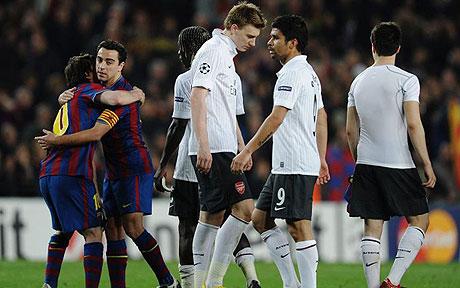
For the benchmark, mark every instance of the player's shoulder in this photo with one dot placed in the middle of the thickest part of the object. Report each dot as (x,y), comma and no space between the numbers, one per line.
(184,78)
(399,72)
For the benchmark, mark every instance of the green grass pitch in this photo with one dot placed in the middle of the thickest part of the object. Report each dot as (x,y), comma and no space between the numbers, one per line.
(30,274)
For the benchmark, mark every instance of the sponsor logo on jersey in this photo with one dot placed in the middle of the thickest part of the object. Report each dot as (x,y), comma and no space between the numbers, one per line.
(285,88)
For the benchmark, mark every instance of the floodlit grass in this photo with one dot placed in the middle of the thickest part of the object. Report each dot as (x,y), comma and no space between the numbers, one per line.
(30,274)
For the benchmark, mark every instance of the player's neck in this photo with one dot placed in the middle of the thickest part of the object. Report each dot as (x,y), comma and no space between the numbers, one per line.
(112,80)
(289,57)
(384,60)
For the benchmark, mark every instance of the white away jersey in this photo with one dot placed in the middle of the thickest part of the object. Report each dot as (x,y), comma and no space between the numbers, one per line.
(214,70)
(378,94)
(294,143)
(182,89)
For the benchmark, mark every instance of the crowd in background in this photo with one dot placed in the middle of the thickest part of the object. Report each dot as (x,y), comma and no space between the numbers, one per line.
(38,37)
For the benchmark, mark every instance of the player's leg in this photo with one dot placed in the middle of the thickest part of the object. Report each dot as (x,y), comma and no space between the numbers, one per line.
(306,250)
(185,205)
(56,249)
(370,251)
(244,258)
(116,254)
(235,193)
(276,242)
(58,242)
(405,195)
(227,239)
(134,197)
(92,256)
(409,246)
(368,200)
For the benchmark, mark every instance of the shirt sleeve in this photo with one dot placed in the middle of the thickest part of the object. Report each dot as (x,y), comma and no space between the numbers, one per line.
(319,96)
(205,69)
(182,91)
(108,117)
(239,96)
(411,89)
(351,97)
(286,93)
(93,90)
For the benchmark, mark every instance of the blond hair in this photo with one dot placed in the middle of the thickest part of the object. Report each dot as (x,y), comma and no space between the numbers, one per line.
(245,13)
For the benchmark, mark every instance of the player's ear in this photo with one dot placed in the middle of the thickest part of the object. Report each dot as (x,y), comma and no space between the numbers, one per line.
(397,50)
(121,66)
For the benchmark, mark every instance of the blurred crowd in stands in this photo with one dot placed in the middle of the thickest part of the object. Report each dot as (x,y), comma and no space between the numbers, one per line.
(38,37)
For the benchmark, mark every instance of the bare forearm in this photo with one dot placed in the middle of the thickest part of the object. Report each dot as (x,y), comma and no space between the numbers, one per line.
(239,137)
(199,113)
(417,137)
(78,138)
(321,134)
(266,130)
(173,138)
(353,131)
(118,97)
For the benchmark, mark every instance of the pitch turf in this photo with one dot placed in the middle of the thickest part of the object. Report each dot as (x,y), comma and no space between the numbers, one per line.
(29,274)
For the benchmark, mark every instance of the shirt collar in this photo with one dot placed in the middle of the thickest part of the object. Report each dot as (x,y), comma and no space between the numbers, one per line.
(219,34)
(119,80)
(291,63)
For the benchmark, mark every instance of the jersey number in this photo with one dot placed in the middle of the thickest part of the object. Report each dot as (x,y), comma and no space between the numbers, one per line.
(281,197)
(61,123)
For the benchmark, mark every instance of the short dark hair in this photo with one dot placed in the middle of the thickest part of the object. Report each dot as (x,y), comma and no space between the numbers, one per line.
(114,45)
(78,68)
(189,41)
(245,13)
(386,38)
(293,27)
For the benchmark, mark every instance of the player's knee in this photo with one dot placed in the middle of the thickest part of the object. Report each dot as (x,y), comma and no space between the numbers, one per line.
(60,239)
(92,234)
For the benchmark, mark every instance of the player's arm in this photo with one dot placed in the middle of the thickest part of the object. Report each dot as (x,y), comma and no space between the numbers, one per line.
(352,129)
(417,137)
(174,136)
(104,123)
(199,120)
(265,131)
(321,142)
(120,97)
(66,96)
(241,146)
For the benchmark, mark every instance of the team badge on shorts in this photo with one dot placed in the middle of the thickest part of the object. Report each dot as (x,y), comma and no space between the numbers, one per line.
(240,187)
(204,68)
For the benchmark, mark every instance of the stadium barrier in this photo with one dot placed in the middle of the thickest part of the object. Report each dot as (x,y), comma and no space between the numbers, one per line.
(25,230)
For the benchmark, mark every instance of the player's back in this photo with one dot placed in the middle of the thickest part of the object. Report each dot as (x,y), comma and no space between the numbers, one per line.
(78,114)
(125,151)
(379,94)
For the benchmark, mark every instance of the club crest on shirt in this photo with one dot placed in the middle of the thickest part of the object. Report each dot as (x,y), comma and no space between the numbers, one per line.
(240,187)
(204,68)
(285,88)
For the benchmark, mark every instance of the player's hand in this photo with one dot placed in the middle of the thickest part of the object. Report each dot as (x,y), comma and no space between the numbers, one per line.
(137,92)
(242,162)
(204,160)
(66,96)
(160,181)
(430,177)
(324,175)
(100,212)
(48,140)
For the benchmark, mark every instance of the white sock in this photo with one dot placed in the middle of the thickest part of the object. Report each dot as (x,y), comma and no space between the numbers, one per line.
(307,261)
(370,252)
(245,260)
(227,239)
(278,246)
(186,273)
(203,241)
(408,249)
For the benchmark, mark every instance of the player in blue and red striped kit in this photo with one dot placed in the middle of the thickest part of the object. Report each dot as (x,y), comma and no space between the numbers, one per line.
(128,184)
(66,174)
